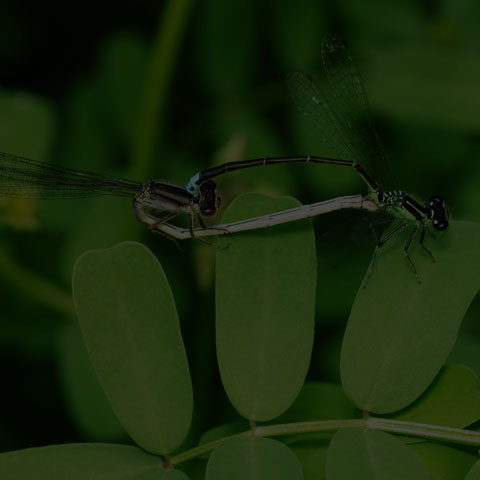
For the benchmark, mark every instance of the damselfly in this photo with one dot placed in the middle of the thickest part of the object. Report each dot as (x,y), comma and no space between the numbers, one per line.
(356,202)
(342,115)
(154,203)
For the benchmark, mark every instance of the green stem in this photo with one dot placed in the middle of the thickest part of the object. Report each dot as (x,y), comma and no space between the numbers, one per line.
(151,114)
(271,431)
(455,435)
(36,286)
(436,432)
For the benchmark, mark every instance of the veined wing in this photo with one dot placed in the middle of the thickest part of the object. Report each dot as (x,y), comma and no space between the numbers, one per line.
(319,114)
(24,178)
(349,101)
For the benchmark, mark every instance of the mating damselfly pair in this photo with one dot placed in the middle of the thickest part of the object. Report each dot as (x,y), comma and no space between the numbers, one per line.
(341,115)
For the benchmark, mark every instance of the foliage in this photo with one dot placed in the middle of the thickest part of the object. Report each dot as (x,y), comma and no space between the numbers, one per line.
(162,90)
(397,339)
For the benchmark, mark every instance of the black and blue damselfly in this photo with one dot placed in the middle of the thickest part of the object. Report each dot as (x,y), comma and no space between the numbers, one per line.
(154,202)
(342,115)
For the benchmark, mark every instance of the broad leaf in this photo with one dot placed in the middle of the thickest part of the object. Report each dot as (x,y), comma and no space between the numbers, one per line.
(400,332)
(128,318)
(249,458)
(444,462)
(366,454)
(265,299)
(474,473)
(452,400)
(81,461)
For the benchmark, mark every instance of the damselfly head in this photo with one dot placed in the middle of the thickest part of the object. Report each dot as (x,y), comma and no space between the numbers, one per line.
(437,212)
(208,201)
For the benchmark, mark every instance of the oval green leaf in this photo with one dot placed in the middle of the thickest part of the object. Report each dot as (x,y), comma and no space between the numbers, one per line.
(250,458)
(88,407)
(474,472)
(80,461)
(265,301)
(128,318)
(442,461)
(452,400)
(400,332)
(365,454)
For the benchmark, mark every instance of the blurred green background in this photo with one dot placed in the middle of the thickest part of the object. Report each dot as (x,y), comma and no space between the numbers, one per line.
(159,90)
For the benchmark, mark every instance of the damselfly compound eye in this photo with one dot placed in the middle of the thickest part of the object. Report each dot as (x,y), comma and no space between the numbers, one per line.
(440,225)
(435,202)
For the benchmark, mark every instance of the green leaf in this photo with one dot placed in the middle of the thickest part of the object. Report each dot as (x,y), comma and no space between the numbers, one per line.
(466,349)
(474,473)
(265,299)
(90,230)
(80,461)
(444,462)
(452,400)
(88,406)
(400,332)
(249,458)
(365,454)
(128,318)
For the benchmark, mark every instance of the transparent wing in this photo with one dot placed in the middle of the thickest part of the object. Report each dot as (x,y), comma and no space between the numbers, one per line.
(318,113)
(24,178)
(349,100)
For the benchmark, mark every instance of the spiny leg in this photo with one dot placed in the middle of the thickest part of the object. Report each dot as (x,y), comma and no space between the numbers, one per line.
(192,228)
(202,224)
(165,219)
(141,215)
(422,237)
(154,228)
(200,221)
(191,224)
(206,227)
(214,227)
(405,251)
(379,245)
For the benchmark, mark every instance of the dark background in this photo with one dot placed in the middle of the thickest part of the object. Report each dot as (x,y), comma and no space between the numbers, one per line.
(159,90)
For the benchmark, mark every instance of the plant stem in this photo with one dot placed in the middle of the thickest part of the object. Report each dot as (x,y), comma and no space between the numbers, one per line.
(436,432)
(455,435)
(270,431)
